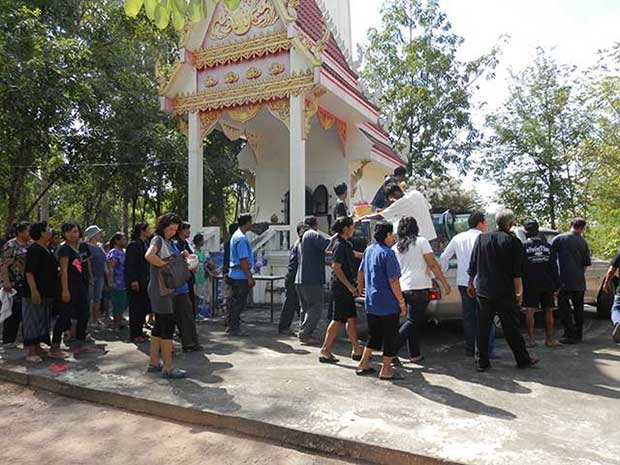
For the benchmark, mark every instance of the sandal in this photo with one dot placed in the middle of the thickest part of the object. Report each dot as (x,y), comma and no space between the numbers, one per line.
(331,359)
(34,359)
(356,357)
(154,368)
(552,343)
(174,374)
(419,360)
(57,354)
(365,371)
(395,377)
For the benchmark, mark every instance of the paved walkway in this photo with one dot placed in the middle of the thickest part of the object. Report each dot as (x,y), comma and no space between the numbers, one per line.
(564,412)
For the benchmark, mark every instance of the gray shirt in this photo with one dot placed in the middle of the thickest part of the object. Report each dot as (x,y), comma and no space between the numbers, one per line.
(573,255)
(161,304)
(311,259)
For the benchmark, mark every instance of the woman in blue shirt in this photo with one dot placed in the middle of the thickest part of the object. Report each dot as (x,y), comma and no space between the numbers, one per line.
(379,273)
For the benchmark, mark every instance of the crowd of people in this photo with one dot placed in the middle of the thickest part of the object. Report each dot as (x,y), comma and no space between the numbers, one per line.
(54,286)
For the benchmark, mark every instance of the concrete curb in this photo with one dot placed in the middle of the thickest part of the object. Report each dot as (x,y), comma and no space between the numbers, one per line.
(331,446)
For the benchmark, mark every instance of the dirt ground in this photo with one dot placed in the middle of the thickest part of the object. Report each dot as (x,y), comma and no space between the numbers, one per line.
(39,428)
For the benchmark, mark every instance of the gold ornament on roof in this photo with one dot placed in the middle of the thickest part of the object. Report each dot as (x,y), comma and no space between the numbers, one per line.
(275,69)
(231,78)
(210,81)
(258,13)
(253,73)
(246,93)
(257,46)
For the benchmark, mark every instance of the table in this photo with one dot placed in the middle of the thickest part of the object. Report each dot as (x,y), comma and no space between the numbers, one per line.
(271,279)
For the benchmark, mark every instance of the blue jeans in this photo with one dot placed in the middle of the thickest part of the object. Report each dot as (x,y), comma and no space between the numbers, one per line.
(615,310)
(470,323)
(412,329)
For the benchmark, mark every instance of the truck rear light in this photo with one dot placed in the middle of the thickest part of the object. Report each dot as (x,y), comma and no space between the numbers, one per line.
(434,294)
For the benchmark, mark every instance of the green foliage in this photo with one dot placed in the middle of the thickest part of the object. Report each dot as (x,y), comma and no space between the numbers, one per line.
(535,153)
(80,122)
(447,193)
(161,11)
(423,90)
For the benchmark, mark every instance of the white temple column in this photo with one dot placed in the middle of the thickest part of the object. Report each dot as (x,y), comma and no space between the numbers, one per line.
(297,147)
(195,167)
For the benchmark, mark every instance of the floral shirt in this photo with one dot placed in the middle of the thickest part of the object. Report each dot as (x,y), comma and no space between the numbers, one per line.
(118,256)
(13,265)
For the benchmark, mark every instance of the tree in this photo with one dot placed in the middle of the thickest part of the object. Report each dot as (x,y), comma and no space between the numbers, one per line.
(535,152)
(423,90)
(448,193)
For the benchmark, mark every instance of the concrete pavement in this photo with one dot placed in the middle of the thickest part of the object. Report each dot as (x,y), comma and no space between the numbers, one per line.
(270,386)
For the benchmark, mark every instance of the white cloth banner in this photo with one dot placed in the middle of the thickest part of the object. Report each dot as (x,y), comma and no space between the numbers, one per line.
(413,203)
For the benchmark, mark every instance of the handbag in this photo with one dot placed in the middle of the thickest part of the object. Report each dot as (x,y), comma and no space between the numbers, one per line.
(176,272)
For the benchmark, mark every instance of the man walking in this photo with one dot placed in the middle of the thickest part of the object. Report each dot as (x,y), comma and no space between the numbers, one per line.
(540,282)
(497,263)
(608,285)
(573,256)
(240,273)
(461,246)
(310,279)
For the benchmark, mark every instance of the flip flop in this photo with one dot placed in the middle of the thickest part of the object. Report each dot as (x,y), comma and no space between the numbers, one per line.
(394,377)
(365,371)
(34,359)
(331,359)
(553,344)
(356,357)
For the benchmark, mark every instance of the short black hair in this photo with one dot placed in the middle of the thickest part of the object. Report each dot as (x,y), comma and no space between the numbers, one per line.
(391,189)
(400,171)
(475,219)
(340,189)
(311,221)
(382,229)
(341,223)
(184,225)
(244,218)
(68,226)
(578,223)
(116,237)
(37,230)
(21,226)
(232,228)
(137,230)
(166,220)
(199,239)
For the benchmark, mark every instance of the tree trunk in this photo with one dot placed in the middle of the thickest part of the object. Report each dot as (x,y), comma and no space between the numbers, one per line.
(551,200)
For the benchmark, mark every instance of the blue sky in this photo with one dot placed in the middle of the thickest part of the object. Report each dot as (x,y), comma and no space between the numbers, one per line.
(575,29)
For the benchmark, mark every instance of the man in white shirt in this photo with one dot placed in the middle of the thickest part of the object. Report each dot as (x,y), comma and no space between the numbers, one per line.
(461,246)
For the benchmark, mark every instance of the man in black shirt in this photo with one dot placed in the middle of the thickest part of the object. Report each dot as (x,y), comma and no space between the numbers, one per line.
(573,258)
(540,282)
(137,273)
(496,265)
(608,284)
(341,209)
(380,200)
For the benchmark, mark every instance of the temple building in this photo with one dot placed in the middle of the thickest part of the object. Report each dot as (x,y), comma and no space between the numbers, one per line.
(278,74)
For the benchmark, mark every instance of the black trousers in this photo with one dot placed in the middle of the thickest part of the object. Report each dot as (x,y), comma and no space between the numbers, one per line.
(139,308)
(412,329)
(240,291)
(290,307)
(185,320)
(508,313)
(10,327)
(570,304)
(62,322)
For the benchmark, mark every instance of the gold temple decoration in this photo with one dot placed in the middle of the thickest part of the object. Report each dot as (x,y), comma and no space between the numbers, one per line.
(326,119)
(312,107)
(231,78)
(210,81)
(281,109)
(321,44)
(247,93)
(208,119)
(165,78)
(253,73)
(258,46)
(258,13)
(275,69)
(245,113)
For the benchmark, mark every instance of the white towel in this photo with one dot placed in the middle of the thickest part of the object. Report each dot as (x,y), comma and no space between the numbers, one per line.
(6,299)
